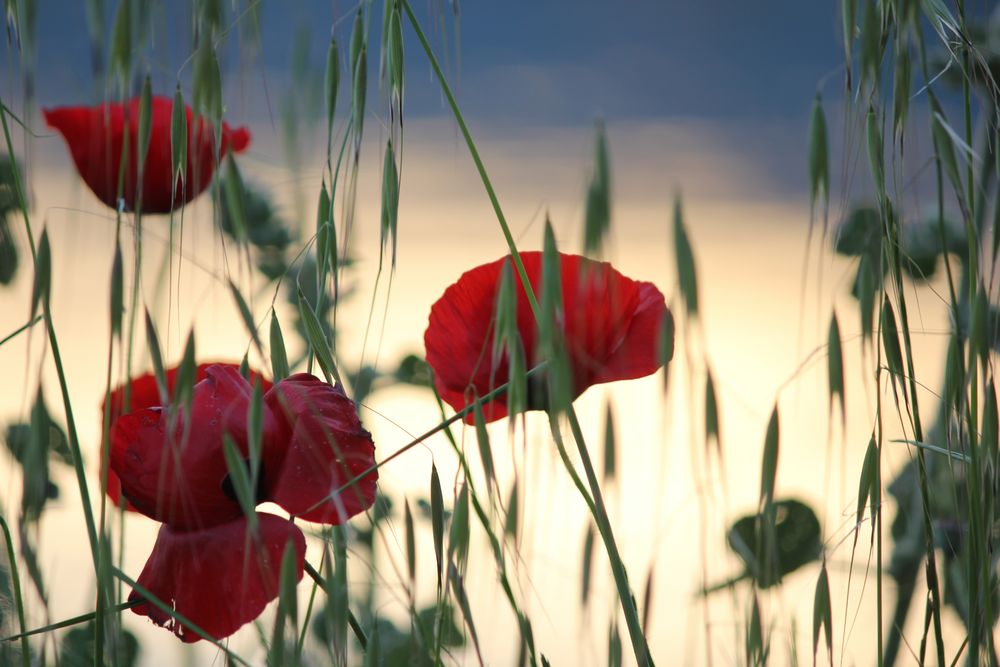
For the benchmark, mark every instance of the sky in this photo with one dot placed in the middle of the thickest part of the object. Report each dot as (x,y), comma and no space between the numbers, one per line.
(735,78)
(558,62)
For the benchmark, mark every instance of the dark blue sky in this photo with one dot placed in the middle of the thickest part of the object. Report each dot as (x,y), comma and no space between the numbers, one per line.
(527,62)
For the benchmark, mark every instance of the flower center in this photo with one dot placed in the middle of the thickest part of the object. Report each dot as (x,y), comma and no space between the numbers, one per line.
(229,488)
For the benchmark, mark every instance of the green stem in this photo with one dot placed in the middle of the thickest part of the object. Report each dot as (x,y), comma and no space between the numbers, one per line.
(352,621)
(639,643)
(76,620)
(23,327)
(491,193)
(486,398)
(18,600)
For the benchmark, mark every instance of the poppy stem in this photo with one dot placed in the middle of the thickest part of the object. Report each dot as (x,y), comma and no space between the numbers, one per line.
(639,644)
(352,621)
(82,618)
(474,152)
(486,398)
(18,600)
(23,327)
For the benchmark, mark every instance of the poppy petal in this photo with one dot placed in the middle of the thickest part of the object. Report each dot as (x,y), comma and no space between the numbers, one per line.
(218,578)
(638,353)
(95,136)
(144,393)
(177,473)
(610,323)
(460,332)
(327,448)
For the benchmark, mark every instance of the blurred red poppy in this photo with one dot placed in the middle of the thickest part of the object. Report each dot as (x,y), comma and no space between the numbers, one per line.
(314,462)
(612,326)
(143,393)
(95,136)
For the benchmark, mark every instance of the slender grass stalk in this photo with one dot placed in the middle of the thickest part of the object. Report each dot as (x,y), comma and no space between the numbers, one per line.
(486,398)
(15,579)
(356,628)
(20,329)
(474,152)
(74,443)
(69,622)
(639,643)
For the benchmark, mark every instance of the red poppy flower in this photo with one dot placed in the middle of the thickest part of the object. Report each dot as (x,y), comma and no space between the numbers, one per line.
(611,326)
(177,472)
(144,393)
(218,578)
(95,135)
(173,468)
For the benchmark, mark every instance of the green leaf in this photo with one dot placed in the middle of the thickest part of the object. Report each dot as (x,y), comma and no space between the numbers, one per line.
(990,436)
(866,295)
(511,523)
(186,373)
(597,216)
(798,541)
(551,342)
(483,440)
(860,234)
(121,42)
(36,487)
(117,291)
(769,464)
(8,250)
(43,273)
(587,561)
(331,84)
(359,80)
(871,42)
(684,258)
(145,120)
(819,159)
(437,522)
(712,431)
(207,82)
(458,588)
(255,431)
(610,450)
(246,316)
(159,370)
(324,234)
(876,161)
(944,146)
(316,339)
(822,614)
(848,16)
(279,358)
(235,196)
(890,341)
(239,481)
(615,648)
(901,89)
(867,486)
(395,53)
(390,200)
(76,648)
(178,137)
(458,536)
(411,549)
(835,368)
